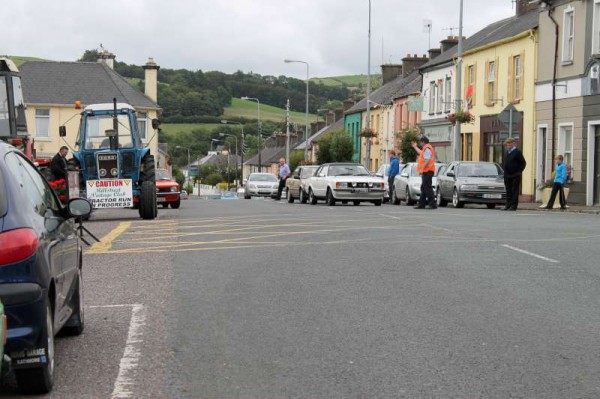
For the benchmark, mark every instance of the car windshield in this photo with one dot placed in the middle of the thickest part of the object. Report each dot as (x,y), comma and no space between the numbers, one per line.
(162,174)
(308,172)
(348,170)
(97,127)
(270,178)
(479,170)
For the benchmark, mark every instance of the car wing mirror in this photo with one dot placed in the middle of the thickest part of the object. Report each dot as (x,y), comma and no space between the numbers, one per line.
(450,174)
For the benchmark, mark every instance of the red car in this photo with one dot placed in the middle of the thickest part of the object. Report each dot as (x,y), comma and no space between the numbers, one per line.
(167,189)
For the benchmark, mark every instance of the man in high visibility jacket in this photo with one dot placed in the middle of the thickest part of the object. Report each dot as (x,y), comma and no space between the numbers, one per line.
(426,168)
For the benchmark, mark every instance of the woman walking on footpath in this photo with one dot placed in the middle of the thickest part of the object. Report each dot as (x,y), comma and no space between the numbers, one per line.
(560,178)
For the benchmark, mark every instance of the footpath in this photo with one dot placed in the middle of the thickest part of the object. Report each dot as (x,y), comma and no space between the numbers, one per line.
(535,206)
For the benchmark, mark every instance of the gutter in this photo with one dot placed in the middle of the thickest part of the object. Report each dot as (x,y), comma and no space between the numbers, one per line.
(554,73)
(521,35)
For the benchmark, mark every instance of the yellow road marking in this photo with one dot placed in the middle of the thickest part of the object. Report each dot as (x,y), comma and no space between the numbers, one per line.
(105,243)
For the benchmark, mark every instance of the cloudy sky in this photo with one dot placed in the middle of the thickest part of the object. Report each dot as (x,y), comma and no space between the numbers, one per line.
(246,35)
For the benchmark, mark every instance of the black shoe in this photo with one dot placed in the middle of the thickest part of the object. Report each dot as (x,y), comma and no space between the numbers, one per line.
(419,207)
(505,209)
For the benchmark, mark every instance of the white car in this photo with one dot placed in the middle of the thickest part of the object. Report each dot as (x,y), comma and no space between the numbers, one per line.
(407,184)
(261,185)
(345,182)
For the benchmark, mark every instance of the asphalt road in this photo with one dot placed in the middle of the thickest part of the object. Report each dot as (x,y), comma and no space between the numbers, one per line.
(264,299)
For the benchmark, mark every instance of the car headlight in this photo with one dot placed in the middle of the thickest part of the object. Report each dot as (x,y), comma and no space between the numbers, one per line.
(416,185)
(252,186)
(468,187)
(174,189)
(341,185)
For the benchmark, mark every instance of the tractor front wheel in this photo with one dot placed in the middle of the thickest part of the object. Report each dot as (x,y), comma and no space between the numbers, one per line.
(148,205)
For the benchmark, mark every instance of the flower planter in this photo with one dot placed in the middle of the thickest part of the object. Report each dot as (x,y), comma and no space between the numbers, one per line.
(547,191)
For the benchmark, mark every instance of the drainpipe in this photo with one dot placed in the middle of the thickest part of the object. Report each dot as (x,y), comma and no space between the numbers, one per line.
(550,10)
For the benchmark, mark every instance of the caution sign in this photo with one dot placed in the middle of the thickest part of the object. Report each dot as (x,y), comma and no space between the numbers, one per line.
(114,193)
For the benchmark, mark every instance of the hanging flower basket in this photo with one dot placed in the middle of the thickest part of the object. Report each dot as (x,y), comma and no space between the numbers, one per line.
(60,187)
(461,117)
(367,132)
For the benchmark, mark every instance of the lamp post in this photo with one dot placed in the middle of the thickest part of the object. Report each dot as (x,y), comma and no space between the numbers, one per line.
(457,138)
(236,151)
(242,153)
(188,161)
(368,114)
(211,143)
(259,129)
(306,116)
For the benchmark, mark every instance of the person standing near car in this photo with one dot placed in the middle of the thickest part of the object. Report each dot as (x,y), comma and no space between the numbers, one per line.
(426,168)
(393,171)
(58,166)
(284,172)
(513,165)
(560,178)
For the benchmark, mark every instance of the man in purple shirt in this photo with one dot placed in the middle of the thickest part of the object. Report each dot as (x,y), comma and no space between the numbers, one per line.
(284,172)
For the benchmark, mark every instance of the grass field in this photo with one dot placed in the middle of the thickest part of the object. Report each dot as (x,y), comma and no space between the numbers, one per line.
(175,128)
(18,60)
(349,80)
(249,109)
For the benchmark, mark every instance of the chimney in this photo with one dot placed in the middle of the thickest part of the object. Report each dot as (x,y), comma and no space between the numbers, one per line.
(320,125)
(448,43)
(524,6)
(339,114)
(106,57)
(330,118)
(434,52)
(349,103)
(410,64)
(151,79)
(313,127)
(390,72)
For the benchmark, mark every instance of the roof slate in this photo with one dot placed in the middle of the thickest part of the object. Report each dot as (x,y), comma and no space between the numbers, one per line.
(63,83)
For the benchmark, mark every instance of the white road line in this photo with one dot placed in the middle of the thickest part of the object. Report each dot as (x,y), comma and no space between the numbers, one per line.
(530,253)
(123,387)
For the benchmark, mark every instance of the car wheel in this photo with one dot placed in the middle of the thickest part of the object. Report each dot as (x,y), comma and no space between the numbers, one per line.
(311,197)
(378,202)
(455,202)
(303,197)
(395,199)
(165,205)
(247,196)
(176,204)
(439,199)
(290,196)
(76,322)
(409,201)
(356,203)
(490,206)
(39,380)
(330,200)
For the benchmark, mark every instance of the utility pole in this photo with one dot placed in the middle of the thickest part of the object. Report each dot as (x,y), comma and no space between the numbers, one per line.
(457,143)
(368,114)
(287,132)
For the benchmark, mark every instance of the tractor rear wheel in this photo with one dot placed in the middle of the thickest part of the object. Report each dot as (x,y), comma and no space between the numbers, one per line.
(148,169)
(148,205)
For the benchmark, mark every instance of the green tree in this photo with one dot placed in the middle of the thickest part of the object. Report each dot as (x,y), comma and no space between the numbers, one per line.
(407,136)
(213,179)
(341,147)
(323,153)
(296,157)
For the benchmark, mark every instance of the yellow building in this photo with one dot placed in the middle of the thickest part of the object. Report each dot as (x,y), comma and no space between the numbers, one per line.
(50,90)
(499,70)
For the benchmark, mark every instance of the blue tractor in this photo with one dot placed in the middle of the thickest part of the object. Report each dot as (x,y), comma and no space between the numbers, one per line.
(116,169)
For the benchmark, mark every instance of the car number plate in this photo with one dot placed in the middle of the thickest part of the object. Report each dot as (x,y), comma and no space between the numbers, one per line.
(360,190)
(492,196)
(161,199)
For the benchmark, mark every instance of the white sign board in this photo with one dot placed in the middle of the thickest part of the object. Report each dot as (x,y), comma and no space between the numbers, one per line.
(113,193)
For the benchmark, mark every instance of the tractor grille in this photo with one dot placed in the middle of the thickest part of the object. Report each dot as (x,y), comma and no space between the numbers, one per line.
(108,165)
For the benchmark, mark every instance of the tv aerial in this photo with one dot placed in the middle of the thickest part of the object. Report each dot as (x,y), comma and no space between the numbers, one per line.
(427,27)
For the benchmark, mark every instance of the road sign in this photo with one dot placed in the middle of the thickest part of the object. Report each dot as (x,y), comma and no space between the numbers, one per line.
(505,116)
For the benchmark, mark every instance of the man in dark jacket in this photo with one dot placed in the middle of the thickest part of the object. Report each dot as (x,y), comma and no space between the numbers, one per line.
(513,165)
(58,166)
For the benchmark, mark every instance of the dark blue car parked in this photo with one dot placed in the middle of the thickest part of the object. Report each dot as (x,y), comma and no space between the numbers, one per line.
(40,269)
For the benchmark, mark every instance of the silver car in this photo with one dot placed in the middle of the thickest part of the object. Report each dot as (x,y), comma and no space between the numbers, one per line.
(261,185)
(407,184)
(471,182)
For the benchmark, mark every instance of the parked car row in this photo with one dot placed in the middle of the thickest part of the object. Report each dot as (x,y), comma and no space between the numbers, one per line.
(457,183)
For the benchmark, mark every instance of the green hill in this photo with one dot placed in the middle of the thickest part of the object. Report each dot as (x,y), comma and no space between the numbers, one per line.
(18,60)
(353,82)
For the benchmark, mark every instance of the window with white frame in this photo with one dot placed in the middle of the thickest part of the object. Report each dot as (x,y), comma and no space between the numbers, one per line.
(568,38)
(440,96)
(448,93)
(42,123)
(431,98)
(491,82)
(141,125)
(517,70)
(596,28)
(565,142)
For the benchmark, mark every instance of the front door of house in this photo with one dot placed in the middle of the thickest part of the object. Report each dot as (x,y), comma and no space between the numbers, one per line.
(597,166)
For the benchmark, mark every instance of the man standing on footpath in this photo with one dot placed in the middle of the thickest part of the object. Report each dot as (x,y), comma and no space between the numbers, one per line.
(426,168)
(393,170)
(58,165)
(284,172)
(513,165)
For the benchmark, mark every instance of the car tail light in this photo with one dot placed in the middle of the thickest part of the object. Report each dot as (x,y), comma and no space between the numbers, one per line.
(17,245)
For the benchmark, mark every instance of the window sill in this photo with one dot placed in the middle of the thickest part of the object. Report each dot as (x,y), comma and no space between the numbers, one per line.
(43,139)
(516,101)
(566,62)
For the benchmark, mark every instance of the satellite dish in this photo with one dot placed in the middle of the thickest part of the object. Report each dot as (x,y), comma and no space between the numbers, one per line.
(427,24)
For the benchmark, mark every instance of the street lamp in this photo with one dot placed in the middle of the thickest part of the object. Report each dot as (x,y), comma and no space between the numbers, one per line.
(241,145)
(188,162)
(306,116)
(459,55)
(211,143)
(368,114)
(236,154)
(259,129)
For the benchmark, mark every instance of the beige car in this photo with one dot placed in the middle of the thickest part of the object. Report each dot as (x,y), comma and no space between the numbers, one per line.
(295,184)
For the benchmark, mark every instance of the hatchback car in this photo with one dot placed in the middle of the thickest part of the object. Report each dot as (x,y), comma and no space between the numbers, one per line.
(167,190)
(471,182)
(295,185)
(261,185)
(383,173)
(407,184)
(40,269)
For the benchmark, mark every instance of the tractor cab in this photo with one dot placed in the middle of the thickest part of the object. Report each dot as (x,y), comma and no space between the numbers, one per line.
(13,124)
